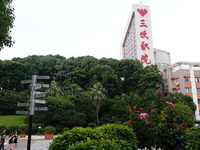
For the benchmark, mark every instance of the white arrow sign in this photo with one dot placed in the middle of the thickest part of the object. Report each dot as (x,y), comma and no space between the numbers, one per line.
(41,108)
(22,112)
(43,77)
(39,86)
(26,81)
(22,104)
(39,94)
(40,101)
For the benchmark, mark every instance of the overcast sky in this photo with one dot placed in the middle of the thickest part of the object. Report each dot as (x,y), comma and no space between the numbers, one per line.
(95,27)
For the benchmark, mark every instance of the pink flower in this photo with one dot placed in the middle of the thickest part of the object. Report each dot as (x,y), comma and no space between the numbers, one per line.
(170,104)
(186,105)
(137,111)
(143,115)
(158,129)
(140,108)
(134,107)
(128,106)
(152,110)
(130,121)
(163,119)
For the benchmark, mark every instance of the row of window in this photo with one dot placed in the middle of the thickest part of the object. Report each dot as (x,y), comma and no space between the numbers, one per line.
(187,79)
(189,90)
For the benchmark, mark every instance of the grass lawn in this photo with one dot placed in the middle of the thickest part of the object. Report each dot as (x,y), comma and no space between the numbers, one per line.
(12,120)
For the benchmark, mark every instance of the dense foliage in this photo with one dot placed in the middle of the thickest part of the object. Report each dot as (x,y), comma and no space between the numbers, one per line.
(83,89)
(86,91)
(6,23)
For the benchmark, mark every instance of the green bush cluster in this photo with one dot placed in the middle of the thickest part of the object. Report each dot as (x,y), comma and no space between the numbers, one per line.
(192,139)
(109,136)
(20,129)
(49,130)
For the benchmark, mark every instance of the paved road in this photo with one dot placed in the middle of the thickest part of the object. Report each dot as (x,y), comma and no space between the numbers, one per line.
(37,143)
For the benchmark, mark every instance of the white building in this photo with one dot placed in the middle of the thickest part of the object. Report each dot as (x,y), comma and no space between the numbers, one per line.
(137,40)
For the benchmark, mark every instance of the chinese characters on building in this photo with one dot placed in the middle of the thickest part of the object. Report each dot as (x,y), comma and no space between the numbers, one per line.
(144,36)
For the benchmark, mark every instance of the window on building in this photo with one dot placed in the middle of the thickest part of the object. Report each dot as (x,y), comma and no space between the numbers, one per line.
(198,101)
(188,90)
(197,79)
(198,90)
(187,79)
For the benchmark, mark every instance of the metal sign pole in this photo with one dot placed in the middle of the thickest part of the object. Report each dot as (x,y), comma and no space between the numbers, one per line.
(31,110)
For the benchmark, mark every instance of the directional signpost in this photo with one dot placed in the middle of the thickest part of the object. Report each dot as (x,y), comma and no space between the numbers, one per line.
(22,112)
(23,104)
(33,101)
(26,81)
(40,94)
(40,101)
(41,108)
(39,86)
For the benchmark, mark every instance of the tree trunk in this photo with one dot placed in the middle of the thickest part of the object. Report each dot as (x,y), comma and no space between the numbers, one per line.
(97,115)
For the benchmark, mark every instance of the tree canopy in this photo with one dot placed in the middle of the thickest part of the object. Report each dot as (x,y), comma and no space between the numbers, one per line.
(85,89)
(7,18)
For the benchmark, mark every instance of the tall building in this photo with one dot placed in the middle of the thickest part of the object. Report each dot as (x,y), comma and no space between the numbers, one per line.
(137,40)
(184,77)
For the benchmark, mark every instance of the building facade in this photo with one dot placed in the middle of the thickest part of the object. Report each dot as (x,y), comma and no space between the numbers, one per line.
(184,77)
(137,40)
(162,59)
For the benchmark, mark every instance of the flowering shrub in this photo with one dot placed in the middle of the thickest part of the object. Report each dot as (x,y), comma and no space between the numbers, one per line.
(166,130)
(143,115)
(170,104)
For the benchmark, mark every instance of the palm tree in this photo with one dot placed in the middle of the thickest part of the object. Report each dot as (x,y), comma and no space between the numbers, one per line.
(97,96)
(54,89)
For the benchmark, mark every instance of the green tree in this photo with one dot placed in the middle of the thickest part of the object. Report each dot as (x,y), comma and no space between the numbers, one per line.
(54,89)
(6,23)
(181,98)
(150,76)
(106,76)
(97,96)
(129,74)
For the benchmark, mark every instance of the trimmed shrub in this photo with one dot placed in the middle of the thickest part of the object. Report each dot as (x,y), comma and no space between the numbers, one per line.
(49,130)
(65,129)
(72,136)
(122,135)
(91,124)
(2,127)
(59,129)
(13,128)
(106,137)
(24,129)
(98,144)
(41,130)
(35,129)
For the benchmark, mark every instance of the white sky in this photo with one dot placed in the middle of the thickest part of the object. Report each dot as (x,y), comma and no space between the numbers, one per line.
(95,27)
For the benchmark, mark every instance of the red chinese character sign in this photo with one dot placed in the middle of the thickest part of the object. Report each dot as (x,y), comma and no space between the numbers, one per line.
(145,59)
(144,34)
